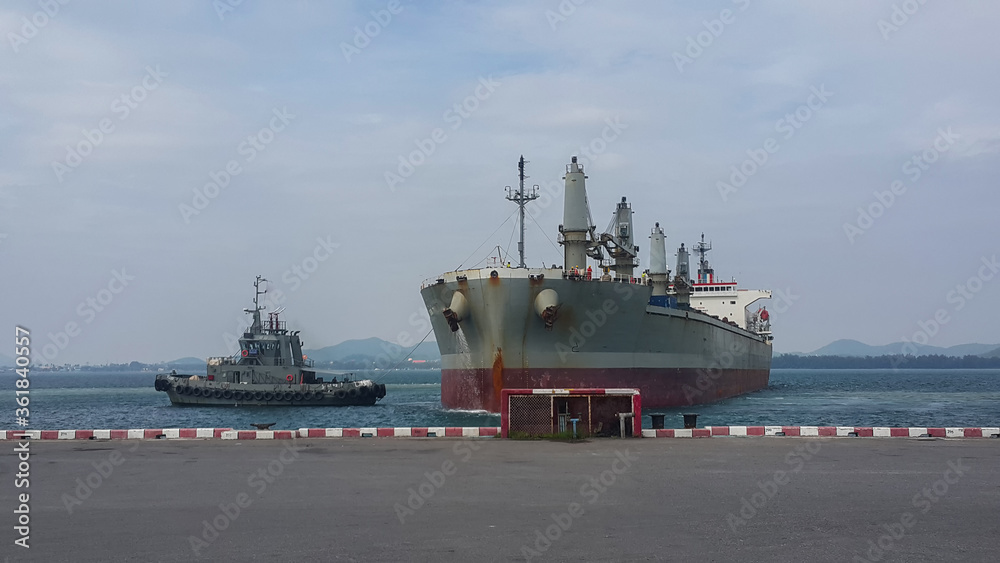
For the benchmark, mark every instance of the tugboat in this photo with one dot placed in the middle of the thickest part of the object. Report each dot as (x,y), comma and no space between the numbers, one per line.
(269,370)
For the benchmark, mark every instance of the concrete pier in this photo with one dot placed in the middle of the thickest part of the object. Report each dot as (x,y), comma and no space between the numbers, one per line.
(747,499)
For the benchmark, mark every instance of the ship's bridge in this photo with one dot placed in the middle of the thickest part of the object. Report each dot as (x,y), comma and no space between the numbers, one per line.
(725,301)
(714,288)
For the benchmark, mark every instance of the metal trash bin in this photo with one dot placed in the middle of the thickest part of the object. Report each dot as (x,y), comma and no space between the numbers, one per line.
(657,421)
(691,420)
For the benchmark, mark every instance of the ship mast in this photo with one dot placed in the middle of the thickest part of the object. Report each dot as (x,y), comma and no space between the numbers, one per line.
(705,272)
(521,198)
(256,326)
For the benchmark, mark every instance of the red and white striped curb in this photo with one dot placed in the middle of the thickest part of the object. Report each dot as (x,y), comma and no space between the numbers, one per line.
(230,434)
(489,432)
(132,434)
(407,432)
(843,431)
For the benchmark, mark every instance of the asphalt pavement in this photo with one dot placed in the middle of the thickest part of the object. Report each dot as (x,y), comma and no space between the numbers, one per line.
(381,499)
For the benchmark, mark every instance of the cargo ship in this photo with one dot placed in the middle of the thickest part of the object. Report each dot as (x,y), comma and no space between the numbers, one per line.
(595,321)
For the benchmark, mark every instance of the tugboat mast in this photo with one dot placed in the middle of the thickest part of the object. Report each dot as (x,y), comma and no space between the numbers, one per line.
(256,327)
(521,198)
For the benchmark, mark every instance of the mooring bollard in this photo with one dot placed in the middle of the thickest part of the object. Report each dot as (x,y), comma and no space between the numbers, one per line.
(658,421)
(691,420)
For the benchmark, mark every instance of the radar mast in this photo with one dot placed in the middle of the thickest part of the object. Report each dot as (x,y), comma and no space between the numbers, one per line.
(521,198)
(256,327)
(705,272)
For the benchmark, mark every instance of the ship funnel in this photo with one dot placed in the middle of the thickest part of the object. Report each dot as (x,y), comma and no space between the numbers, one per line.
(576,217)
(547,306)
(458,310)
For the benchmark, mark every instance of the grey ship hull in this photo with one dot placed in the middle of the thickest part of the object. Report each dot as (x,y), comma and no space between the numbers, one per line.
(606,335)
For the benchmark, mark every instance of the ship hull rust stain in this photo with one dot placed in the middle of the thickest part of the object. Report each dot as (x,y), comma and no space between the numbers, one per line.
(497,375)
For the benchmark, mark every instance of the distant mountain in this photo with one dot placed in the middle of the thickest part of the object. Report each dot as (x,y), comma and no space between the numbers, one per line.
(970,349)
(995,353)
(848,347)
(186,362)
(363,352)
(372,348)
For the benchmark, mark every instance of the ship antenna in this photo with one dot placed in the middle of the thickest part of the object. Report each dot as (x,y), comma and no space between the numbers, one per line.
(521,198)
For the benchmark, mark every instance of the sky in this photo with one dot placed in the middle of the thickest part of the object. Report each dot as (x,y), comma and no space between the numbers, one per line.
(156,156)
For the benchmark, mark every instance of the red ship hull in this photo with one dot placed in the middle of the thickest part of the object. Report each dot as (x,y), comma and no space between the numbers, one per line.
(479,389)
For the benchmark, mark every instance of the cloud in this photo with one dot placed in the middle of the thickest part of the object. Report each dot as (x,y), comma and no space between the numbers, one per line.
(324,175)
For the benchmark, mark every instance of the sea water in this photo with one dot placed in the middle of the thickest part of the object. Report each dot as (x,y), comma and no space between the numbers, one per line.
(896,398)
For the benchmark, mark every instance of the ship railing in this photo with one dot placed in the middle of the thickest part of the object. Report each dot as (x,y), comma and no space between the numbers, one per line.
(581,275)
(758,326)
(273,325)
(223,361)
(285,362)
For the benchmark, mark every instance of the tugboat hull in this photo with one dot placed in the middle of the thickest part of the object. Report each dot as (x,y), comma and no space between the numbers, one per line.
(184,391)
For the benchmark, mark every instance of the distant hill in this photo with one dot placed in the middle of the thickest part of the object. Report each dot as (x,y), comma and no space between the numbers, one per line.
(848,347)
(372,348)
(785,361)
(186,362)
(995,353)
(350,354)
